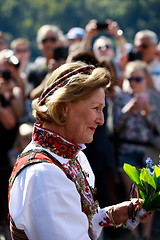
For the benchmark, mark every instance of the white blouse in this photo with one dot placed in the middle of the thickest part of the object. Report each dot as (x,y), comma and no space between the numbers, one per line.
(46,204)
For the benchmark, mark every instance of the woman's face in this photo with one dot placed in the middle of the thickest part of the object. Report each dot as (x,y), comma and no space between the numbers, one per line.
(137,80)
(83,117)
(48,43)
(103,48)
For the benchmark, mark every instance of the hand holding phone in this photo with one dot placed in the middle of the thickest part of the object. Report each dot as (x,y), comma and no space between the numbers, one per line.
(134,55)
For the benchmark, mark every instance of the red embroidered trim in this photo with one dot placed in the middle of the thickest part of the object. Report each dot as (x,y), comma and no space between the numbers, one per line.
(73,171)
(63,81)
(54,143)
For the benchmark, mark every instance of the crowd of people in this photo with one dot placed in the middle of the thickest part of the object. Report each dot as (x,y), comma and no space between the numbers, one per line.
(129,133)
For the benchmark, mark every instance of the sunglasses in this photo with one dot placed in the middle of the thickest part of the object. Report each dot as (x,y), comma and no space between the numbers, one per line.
(137,79)
(51,39)
(22,50)
(105,46)
(144,46)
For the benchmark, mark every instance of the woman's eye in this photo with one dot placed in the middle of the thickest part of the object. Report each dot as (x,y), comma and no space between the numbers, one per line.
(96,108)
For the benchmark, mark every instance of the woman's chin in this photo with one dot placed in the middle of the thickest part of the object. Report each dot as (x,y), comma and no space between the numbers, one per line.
(89,140)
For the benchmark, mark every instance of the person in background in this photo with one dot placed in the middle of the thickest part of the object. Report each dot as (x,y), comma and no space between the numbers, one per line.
(23,137)
(102,45)
(21,48)
(54,197)
(10,63)
(48,38)
(75,35)
(146,41)
(3,42)
(158,51)
(11,108)
(136,123)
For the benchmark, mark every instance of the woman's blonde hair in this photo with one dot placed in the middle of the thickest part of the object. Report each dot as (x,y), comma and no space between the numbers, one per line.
(135,66)
(79,86)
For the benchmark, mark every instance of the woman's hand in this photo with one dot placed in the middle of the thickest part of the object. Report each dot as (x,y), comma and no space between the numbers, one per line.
(121,211)
(129,212)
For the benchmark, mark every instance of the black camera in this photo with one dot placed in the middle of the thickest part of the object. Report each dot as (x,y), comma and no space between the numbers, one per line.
(12,59)
(134,55)
(102,25)
(6,75)
(60,53)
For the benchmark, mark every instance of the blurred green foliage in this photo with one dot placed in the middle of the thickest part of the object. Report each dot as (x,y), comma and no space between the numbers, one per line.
(22,18)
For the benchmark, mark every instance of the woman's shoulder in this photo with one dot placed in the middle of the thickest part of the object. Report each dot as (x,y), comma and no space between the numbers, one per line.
(40,177)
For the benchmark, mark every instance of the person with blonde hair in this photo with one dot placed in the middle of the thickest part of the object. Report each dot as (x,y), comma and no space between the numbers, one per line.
(3,41)
(52,185)
(21,48)
(136,125)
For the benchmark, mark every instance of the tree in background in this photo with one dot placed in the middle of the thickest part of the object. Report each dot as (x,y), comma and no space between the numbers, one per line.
(22,18)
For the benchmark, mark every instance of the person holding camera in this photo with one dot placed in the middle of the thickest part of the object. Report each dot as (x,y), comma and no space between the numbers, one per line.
(110,27)
(103,46)
(21,48)
(136,124)
(10,62)
(11,109)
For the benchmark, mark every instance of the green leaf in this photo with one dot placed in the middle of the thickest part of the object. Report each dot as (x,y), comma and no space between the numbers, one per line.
(132,173)
(142,193)
(153,203)
(147,178)
(156,175)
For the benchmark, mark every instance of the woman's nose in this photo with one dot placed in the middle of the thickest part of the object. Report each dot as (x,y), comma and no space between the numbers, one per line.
(100,120)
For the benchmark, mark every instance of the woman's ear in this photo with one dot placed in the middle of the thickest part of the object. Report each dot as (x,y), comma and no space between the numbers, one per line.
(63,112)
(65,109)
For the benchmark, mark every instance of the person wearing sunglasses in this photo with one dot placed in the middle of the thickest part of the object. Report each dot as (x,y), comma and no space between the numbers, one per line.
(136,124)
(48,38)
(146,42)
(106,40)
(103,47)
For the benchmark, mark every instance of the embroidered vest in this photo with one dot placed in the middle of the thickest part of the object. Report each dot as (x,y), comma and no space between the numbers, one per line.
(72,170)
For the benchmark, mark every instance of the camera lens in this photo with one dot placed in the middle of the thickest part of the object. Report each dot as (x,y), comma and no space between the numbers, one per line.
(14,60)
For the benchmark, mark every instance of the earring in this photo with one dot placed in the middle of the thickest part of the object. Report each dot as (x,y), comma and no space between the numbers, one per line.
(63,118)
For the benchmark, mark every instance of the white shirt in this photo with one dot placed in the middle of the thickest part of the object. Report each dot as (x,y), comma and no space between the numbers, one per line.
(46,204)
(154,69)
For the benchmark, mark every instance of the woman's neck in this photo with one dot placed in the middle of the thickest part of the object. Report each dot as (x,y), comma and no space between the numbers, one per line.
(60,130)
